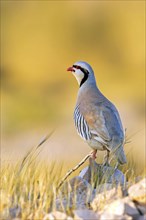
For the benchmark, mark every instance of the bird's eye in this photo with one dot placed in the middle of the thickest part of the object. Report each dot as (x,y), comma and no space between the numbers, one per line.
(81,68)
(77,67)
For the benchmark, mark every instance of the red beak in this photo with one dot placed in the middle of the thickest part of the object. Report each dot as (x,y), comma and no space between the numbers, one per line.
(70,69)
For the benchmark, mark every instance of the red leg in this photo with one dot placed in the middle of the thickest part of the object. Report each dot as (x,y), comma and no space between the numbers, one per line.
(93,154)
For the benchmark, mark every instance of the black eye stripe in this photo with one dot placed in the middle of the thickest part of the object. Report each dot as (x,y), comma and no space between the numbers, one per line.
(85,71)
(77,67)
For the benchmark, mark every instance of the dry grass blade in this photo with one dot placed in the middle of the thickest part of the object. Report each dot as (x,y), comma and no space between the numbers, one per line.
(33,150)
(128,138)
(73,169)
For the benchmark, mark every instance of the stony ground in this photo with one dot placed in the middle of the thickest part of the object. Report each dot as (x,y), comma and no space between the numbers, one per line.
(99,192)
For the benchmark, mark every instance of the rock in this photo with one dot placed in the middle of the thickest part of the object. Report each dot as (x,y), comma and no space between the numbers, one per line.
(101,199)
(77,193)
(57,216)
(86,174)
(120,208)
(107,216)
(96,174)
(104,188)
(15,212)
(117,177)
(130,208)
(138,179)
(78,201)
(75,184)
(16,218)
(84,214)
(142,218)
(79,184)
(115,208)
(141,208)
(137,192)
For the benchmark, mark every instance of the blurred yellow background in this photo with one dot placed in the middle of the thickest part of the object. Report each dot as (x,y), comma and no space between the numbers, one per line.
(39,40)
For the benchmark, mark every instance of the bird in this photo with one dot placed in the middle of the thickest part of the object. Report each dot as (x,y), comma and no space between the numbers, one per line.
(96,118)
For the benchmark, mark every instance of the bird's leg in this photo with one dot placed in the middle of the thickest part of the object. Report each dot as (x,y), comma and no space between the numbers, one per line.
(106,159)
(93,154)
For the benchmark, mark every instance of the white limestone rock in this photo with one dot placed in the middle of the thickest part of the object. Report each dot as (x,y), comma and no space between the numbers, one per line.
(84,214)
(99,174)
(57,216)
(137,192)
(76,193)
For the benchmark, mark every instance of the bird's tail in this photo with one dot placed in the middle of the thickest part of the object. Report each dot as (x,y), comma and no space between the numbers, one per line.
(120,155)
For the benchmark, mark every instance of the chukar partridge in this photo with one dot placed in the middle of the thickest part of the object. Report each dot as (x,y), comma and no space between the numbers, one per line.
(96,119)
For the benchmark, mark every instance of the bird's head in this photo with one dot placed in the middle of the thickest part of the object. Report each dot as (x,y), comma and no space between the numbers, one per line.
(82,71)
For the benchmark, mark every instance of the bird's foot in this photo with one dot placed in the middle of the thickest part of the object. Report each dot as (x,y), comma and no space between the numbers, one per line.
(93,154)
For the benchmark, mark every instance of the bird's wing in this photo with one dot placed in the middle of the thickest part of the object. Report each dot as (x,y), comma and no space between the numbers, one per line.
(104,121)
(113,121)
(97,123)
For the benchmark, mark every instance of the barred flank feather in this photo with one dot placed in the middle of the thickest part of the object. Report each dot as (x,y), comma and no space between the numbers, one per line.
(81,125)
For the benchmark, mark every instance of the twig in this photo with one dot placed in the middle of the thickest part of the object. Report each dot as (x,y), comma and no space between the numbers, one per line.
(73,169)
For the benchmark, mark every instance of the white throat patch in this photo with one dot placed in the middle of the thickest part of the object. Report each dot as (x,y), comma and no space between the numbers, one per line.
(79,76)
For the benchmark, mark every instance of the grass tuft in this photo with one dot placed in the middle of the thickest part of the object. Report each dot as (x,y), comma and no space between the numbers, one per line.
(29,187)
